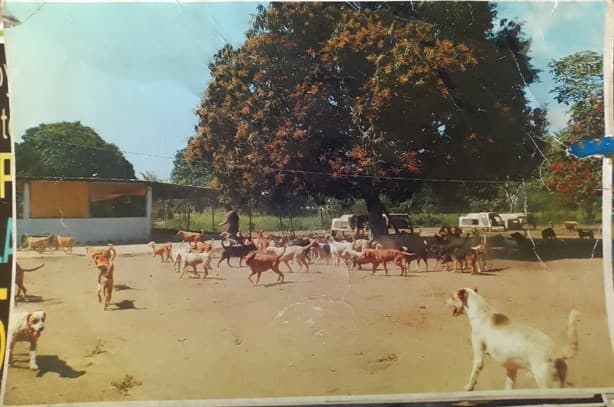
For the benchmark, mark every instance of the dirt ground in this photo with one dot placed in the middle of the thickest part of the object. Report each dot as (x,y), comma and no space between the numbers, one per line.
(326,332)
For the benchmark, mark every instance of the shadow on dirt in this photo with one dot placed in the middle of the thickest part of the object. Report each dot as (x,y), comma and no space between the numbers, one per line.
(53,364)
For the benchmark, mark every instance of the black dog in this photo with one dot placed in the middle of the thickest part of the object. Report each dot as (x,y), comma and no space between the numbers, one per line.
(548,234)
(237,250)
(586,234)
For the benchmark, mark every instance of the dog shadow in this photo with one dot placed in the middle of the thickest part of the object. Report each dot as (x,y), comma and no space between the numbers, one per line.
(37,299)
(126,304)
(122,287)
(268,285)
(53,364)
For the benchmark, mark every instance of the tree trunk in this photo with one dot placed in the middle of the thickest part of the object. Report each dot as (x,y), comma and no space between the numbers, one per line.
(377,223)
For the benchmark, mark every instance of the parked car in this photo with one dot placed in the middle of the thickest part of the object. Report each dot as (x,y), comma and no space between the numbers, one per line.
(351,224)
(483,220)
(518,221)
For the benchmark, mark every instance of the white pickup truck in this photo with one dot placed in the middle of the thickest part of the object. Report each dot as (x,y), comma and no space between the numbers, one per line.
(489,221)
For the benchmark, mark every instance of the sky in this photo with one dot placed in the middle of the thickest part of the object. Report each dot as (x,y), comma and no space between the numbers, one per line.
(135,72)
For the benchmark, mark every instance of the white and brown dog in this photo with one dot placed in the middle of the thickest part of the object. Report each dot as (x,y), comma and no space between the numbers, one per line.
(513,345)
(26,327)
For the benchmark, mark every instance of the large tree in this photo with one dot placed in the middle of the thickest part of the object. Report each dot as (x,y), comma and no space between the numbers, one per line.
(186,173)
(351,99)
(579,85)
(69,150)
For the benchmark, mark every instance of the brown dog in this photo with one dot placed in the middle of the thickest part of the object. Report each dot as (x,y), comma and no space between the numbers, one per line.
(383,256)
(65,243)
(162,251)
(19,276)
(261,262)
(191,237)
(92,252)
(105,278)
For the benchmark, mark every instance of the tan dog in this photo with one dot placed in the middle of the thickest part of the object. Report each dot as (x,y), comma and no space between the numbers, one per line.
(262,242)
(66,243)
(105,278)
(26,327)
(40,244)
(513,345)
(202,247)
(478,258)
(162,251)
(260,262)
(19,277)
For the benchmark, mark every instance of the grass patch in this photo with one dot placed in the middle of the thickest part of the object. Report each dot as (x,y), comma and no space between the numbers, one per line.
(126,384)
(98,348)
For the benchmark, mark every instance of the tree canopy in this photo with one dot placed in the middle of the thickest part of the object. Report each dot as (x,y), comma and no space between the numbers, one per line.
(354,99)
(579,79)
(69,150)
(185,173)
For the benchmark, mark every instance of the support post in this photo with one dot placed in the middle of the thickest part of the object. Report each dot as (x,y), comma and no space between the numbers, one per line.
(606,207)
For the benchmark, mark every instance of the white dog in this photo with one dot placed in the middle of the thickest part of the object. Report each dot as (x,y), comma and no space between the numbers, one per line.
(513,345)
(193,260)
(26,327)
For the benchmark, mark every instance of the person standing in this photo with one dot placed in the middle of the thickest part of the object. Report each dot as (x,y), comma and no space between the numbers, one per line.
(232,220)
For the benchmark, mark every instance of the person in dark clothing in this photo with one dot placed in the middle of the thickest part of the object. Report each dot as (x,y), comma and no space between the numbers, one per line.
(232,220)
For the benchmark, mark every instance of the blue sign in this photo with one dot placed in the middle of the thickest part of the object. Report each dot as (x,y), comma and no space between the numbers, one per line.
(601,147)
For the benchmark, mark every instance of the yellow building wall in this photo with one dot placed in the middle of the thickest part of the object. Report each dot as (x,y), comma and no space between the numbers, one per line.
(50,199)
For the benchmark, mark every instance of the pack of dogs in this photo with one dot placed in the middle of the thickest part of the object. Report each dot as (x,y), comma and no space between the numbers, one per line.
(514,346)
(43,243)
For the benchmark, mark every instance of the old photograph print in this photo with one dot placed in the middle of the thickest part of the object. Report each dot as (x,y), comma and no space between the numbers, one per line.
(261,200)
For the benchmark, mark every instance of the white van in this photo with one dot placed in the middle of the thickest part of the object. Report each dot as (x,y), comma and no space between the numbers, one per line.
(483,220)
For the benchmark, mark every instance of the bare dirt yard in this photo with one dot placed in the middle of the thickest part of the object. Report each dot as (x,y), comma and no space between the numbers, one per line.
(327,332)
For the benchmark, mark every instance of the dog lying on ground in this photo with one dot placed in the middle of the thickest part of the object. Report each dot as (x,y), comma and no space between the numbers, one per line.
(162,251)
(261,262)
(65,243)
(513,345)
(19,278)
(105,279)
(193,260)
(40,244)
(238,250)
(26,327)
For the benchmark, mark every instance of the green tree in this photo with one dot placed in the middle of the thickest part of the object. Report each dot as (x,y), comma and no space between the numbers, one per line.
(69,150)
(579,80)
(186,173)
(335,99)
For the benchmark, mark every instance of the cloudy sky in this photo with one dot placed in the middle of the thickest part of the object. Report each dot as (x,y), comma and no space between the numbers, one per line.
(135,72)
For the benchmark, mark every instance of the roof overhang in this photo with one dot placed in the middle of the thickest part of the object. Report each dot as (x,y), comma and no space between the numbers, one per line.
(160,190)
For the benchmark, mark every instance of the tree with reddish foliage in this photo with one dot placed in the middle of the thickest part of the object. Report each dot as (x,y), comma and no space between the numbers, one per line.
(351,99)
(579,80)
